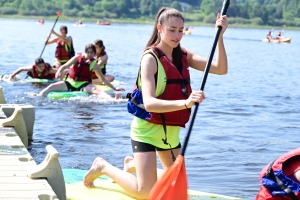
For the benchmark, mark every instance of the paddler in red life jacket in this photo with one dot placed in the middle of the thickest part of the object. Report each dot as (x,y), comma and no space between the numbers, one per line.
(280,179)
(164,81)
(64,49)
(79,76)
(40,70)
(101,57)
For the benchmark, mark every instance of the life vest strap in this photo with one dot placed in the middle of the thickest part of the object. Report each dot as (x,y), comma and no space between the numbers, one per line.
(270,174)
(178,81)
(161,54)
(134,101)
(163,120)
(155,75)
(183,82)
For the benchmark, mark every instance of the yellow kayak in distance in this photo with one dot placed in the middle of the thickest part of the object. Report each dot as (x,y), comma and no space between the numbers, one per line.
(277,40)
(187,32)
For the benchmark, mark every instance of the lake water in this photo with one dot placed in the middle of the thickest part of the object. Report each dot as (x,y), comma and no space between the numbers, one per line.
(250,116)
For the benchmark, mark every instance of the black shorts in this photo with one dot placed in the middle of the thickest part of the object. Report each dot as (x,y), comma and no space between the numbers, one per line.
(103,70)
(63,62)
(72,89)
(144,147)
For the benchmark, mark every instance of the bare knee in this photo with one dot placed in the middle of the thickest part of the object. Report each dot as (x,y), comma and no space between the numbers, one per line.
(143,193)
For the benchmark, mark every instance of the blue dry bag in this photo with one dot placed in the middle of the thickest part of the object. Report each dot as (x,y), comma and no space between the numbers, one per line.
(135,105)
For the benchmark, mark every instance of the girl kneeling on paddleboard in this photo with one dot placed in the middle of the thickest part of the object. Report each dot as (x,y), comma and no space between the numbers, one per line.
(101,57)
(167,96)
(39,69)
(79,77)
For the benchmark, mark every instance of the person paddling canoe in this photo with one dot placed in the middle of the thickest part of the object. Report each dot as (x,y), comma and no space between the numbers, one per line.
(79,75)
(164,84)
(279,36)
(269,36)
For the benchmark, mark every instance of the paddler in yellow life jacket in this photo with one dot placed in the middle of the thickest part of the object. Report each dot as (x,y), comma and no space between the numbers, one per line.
(79,78)
(64,50)
(101,57)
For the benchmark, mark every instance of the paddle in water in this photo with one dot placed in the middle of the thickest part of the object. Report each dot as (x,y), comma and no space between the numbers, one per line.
(173,184)
(58,15)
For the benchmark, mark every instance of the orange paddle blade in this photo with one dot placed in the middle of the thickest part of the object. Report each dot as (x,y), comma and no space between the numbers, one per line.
(173,184)
(58,14)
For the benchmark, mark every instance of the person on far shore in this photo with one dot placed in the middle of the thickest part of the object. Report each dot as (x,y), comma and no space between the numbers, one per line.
(64,50)
(79,75)
(101,57)
(163,59)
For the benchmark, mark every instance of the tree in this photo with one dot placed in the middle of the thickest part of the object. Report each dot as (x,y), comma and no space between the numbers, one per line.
(98,6)
(267,12)
(176,5)
(108,5)
(189,9)
(192,2)
(144,7)
(122,8)
(158,5)
(26,6)
(207,6)
(297,14)
(135,3)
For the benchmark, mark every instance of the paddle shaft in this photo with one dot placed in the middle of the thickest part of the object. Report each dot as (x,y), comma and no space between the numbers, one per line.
(206,71)
(49,36)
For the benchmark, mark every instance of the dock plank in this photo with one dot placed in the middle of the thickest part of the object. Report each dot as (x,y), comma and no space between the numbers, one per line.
(15,161)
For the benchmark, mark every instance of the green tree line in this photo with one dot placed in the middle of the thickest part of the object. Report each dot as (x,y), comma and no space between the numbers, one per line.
(258,12)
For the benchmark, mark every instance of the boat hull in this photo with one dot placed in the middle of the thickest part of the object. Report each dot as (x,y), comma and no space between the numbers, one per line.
(277,41)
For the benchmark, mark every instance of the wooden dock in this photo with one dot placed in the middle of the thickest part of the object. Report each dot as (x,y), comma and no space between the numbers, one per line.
(20,176)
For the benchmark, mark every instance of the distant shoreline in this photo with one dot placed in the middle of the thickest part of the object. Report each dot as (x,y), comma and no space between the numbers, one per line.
(145,21)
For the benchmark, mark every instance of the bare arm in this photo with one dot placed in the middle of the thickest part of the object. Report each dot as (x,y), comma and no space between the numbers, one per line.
(67,39)
(220,66)
(54,40)
(71,62)
(53,71)
(101,77)
(103,60)
(27,68)
(151,103)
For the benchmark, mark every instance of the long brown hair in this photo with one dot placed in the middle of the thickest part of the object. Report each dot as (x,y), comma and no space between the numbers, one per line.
(64,28)
(163,15)
(90,46)
(39,61)
(100,44)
